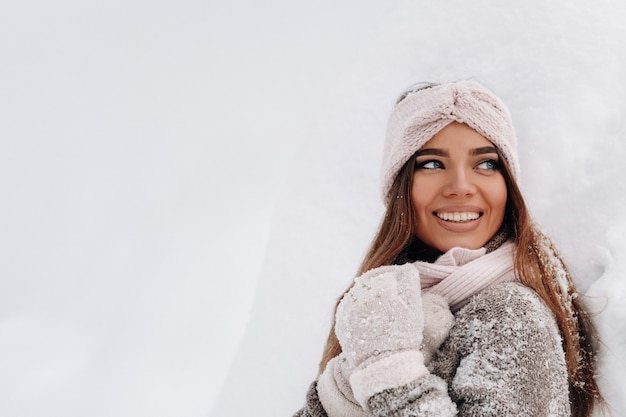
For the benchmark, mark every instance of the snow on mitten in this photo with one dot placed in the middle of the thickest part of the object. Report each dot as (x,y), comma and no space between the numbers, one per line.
(438,320)
(379,325)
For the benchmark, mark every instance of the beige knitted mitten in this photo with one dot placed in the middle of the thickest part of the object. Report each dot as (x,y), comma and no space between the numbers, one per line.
(438,320)
(379,325)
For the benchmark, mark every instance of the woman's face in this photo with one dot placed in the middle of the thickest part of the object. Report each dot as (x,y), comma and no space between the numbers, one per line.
(458,193)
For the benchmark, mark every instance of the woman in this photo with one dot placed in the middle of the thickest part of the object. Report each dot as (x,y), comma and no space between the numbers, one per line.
(463,306)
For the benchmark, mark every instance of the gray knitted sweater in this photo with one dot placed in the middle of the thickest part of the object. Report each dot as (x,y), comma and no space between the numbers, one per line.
(503,357)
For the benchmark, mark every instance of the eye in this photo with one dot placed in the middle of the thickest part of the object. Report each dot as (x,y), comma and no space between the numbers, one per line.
(430,164)
(489,165)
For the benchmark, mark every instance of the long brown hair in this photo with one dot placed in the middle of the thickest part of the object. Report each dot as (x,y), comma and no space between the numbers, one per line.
(538,265)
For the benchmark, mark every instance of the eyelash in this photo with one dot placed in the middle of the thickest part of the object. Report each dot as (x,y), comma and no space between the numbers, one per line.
(494,165)
(422,165)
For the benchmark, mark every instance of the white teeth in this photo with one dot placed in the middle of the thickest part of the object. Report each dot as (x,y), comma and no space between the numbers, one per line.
(458,217)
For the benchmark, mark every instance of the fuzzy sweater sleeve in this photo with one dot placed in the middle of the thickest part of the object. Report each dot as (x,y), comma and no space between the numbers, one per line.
(313,407)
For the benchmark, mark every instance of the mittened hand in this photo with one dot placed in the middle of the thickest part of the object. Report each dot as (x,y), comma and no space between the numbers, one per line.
(438,321)
(381,314)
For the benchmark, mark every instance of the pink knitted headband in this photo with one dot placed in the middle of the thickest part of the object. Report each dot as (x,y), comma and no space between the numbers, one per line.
(423,113)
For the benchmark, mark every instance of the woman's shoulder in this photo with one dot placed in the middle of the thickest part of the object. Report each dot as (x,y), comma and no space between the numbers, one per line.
(509,320)
(504,351)
(500,315)
(509,299)
(506,310)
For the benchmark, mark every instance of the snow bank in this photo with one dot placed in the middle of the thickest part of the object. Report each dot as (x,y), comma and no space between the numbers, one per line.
(558,66)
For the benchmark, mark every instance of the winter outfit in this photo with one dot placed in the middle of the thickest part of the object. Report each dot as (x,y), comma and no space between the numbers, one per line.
(448,335)
(499,354)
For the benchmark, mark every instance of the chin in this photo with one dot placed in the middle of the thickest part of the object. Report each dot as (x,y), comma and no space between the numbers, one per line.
(461,243)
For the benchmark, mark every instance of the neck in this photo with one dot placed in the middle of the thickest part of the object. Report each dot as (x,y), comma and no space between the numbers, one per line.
(420,251)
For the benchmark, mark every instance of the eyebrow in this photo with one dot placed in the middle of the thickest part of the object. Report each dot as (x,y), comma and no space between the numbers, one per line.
(484,150)
(432,151)
(444,153)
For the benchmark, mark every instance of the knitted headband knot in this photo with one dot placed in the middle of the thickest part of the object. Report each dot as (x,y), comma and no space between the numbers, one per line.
(421,114)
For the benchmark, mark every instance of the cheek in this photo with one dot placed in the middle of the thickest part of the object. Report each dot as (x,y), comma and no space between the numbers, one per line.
(498,198)
(418,198)
(422,196)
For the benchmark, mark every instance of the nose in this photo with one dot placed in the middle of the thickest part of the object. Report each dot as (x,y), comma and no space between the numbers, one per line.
(459,184)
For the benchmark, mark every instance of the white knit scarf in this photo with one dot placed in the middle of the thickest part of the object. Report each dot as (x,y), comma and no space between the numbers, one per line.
(461,273)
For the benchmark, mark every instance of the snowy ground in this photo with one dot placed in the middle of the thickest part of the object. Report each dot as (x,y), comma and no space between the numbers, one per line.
(155,156)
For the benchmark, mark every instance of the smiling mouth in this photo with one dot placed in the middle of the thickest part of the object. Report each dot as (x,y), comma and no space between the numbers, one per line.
(462,217)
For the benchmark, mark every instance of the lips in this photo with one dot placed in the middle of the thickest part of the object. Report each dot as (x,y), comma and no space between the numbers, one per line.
(458,217)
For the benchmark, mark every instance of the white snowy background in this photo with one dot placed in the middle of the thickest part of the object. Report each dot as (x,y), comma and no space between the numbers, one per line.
(187,186)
